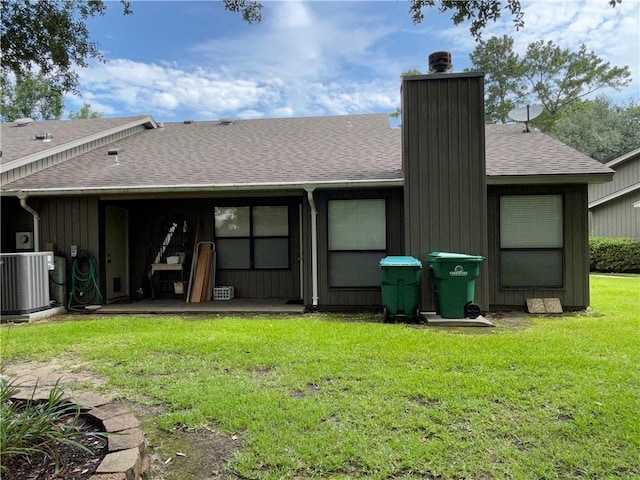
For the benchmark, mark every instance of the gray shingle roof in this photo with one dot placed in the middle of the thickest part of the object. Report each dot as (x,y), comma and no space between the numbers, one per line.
(270,151)
(17,142)
(283,151)
(510,152)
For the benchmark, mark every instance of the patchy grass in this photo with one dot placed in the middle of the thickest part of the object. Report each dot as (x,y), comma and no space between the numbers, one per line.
(314,397)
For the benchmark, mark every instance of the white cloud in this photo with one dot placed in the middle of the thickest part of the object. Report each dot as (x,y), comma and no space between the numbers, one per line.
(319,58)
(300,62)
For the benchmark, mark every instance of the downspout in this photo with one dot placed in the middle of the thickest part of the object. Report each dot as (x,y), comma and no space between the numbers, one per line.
(36,221)
(314,246)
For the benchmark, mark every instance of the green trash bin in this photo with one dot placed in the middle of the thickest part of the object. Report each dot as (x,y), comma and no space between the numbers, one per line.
(401,287)
(455,275)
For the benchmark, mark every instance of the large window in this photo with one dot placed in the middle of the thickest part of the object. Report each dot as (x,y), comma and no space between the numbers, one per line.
(357,242)
(252,237)
(531,241)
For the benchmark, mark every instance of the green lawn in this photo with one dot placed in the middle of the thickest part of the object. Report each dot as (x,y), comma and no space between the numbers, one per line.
(343,397)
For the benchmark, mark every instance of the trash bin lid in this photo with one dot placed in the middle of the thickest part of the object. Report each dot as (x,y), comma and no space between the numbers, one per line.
(400,261)
(453,257)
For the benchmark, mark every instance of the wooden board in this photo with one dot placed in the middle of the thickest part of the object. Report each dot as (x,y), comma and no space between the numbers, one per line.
(194,260)
(204,258)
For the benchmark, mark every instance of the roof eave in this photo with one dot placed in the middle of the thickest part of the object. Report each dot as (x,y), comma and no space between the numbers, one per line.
(147,121)
(549,179)
(615,195)
(220,188)
(623,158)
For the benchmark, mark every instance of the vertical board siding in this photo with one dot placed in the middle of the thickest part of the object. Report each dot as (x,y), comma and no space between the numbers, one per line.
(445,173)
(627,174)
(617,218)
(575,293)
(69,221)
(352,297)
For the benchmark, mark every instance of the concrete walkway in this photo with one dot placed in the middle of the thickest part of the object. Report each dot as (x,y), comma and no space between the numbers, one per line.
(127,458)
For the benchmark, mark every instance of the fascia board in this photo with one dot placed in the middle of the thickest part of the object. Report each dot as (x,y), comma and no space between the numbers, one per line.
(177,189)
(613,196)
(549,179)
(623,158)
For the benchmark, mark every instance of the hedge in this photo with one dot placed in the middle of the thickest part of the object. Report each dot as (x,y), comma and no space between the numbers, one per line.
(620,255)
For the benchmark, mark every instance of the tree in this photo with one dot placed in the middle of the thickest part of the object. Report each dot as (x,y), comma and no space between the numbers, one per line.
(546,74)
(559,77)
(85,112)
(504,86)
(600,128)
(31,96)
(51,36)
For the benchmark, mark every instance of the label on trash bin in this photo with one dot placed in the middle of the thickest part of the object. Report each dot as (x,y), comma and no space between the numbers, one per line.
(458,271)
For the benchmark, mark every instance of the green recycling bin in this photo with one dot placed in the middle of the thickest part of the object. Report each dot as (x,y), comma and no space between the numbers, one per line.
(401,287)
(455,275)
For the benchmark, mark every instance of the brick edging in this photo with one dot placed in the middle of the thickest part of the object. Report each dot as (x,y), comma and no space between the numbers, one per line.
(127,457)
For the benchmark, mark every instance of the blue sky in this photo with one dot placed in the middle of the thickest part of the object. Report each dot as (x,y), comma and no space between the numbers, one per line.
(178,60)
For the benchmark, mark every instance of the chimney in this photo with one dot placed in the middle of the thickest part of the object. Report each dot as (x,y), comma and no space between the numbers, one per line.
(443,157)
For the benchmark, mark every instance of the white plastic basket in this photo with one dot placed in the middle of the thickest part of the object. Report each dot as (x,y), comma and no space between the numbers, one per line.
(223,293)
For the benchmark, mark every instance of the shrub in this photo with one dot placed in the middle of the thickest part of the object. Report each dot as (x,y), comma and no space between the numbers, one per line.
(31,427)
(618,255)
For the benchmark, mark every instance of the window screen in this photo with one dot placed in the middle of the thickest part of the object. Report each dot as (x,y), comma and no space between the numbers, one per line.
(254,237)
(531,241)
(357,241)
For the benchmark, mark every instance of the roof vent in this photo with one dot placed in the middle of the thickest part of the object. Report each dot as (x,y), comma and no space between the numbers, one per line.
(45,137)
(114,152)
(21,122)
(440,62)
(188,122)
(226,121)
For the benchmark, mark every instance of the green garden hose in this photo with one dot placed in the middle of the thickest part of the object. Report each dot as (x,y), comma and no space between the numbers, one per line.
(84,282)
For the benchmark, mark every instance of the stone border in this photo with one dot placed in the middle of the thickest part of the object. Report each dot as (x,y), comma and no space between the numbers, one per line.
(127,457)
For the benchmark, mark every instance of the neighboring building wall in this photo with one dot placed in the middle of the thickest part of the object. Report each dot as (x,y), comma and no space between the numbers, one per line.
(445,174)
(617,217)
(575,293)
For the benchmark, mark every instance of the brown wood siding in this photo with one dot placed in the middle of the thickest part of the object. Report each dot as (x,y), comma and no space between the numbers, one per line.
(445,174)
(353,297)
(69,221)
(575,293)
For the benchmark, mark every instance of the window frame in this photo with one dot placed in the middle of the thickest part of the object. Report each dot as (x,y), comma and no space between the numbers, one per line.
(364,251)
(252,237)
(523,249)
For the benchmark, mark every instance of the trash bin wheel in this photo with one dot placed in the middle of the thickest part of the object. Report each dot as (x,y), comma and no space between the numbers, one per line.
(418,316)
(385,315)
(471,310)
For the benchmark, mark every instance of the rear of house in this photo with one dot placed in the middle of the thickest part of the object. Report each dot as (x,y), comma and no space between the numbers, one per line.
(303,209)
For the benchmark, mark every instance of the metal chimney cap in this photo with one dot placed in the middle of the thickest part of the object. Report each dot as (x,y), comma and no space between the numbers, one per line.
(440,62)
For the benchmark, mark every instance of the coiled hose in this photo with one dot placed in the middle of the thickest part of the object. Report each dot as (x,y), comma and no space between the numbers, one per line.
(84,282)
